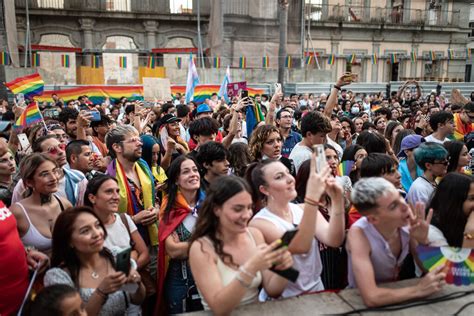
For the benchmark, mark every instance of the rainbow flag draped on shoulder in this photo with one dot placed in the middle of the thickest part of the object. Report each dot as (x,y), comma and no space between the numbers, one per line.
(30,86)
(253,116)
(128,201)
(31,115)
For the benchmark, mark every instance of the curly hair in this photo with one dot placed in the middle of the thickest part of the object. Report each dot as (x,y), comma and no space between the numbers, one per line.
(259,137)
(208,225)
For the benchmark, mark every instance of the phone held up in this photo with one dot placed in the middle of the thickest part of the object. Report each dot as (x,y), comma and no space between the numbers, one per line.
(290,273)
(122,263)
(320,157)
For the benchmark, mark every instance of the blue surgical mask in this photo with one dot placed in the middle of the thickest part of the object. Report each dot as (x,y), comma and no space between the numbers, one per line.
(355,110)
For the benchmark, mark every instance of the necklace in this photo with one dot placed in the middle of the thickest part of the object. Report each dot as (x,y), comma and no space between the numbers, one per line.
(95,275)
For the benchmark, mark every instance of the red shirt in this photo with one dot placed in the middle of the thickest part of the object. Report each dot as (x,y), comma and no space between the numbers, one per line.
(13,266)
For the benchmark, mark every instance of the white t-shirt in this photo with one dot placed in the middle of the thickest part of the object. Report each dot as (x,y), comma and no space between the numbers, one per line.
(420,191)
(431,138)
(117,235)
(299,154)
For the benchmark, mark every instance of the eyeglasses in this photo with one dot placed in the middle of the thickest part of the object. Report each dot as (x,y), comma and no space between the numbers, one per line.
(56,149)
(132,140)
(56,172)
(444,162)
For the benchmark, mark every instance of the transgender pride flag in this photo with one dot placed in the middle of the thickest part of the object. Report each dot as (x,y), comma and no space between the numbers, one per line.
(192,81)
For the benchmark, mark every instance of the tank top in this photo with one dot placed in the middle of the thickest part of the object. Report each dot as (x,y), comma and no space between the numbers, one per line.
(386,266)
(33,237)
(308,264)
(228,274)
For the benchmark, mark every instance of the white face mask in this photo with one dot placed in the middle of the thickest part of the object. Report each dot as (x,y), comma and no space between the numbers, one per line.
(355,110)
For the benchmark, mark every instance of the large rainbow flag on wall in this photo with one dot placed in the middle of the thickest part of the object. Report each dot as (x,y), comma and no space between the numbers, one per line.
(96,93)
(31,115)
(30,86)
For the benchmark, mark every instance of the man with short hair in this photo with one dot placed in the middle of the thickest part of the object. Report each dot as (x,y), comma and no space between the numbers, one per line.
(463,121)
(284,122)
(442,124)
(79,157)
(213,159)
(379,242)
(72,183)
(136,183)
(433,160)
(99,130)
(314,128)
(202,131)
(203,110)
(68,119)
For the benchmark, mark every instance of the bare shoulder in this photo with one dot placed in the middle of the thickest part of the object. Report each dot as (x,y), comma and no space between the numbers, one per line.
(65,203)
(202,246)
(257,235)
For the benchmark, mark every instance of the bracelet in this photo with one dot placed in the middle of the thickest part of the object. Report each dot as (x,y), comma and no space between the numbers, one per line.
(337,87)
(242,282)
(102,294)
(311,202)
(244,271)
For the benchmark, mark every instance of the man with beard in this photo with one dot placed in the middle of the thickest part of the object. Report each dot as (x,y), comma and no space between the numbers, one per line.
(72,183)
(136,184)
(68,119)
(284,122)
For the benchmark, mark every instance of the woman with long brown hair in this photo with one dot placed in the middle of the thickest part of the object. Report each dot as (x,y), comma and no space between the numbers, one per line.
(229,259)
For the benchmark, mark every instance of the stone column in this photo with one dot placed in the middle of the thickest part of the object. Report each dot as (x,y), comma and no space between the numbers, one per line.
(87,26)
(151,27)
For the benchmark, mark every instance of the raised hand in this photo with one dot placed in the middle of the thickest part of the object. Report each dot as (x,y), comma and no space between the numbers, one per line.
(420,223)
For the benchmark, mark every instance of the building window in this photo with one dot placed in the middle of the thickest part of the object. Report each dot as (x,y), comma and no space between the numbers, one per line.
(118,5)
(181,6)
(314,9)
(51,4)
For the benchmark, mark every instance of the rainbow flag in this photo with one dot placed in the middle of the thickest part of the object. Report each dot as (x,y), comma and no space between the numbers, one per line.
(468,53)
(331,59)
(265,62)
(96,93)
(4,58)
(35,59)
(242,62)
(253,116)
(95,61)
(374,59)
(30,86)
(309,60)
(352,58)
(345,168)
(413,57)
(65,61)
(31,115)
(450,54)
(151,62)
(393,58)
(288,62)
(432,55)
(179,62)
(217,62)
(375,108)
(204,91)
(123,61)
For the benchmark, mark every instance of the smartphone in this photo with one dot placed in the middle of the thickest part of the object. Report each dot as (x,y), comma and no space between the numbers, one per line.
(277,87)
(24,142)
(122,260)
(244,94)
(288,237)
(20,98)
(320,157)
(95,116)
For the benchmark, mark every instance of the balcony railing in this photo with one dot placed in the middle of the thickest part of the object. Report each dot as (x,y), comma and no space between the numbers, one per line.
(132,6)
(382,15)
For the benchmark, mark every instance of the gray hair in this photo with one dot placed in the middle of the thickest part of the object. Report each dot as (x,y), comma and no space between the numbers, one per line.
(117,135)
(367,191)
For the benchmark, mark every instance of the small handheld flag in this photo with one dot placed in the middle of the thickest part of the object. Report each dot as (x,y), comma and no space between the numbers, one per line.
(345,167)
(413,57)
(288,62)
(242,62)
(123,61)
(192,79)
(179,62)
(265,62)
(31,115)
(331,59)
(65,61)
(30,86)
(4,58)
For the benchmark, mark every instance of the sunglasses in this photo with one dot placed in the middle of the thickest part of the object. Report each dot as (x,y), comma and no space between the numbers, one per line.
(56,149)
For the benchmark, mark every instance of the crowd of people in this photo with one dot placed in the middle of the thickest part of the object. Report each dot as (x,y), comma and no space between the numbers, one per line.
(203,203)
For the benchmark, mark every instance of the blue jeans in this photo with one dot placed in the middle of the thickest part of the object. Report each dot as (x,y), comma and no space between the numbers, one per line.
(177,285)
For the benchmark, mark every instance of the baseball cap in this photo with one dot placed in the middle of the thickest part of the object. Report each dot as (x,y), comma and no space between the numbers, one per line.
(410,142)
(203,108)
(169,118)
